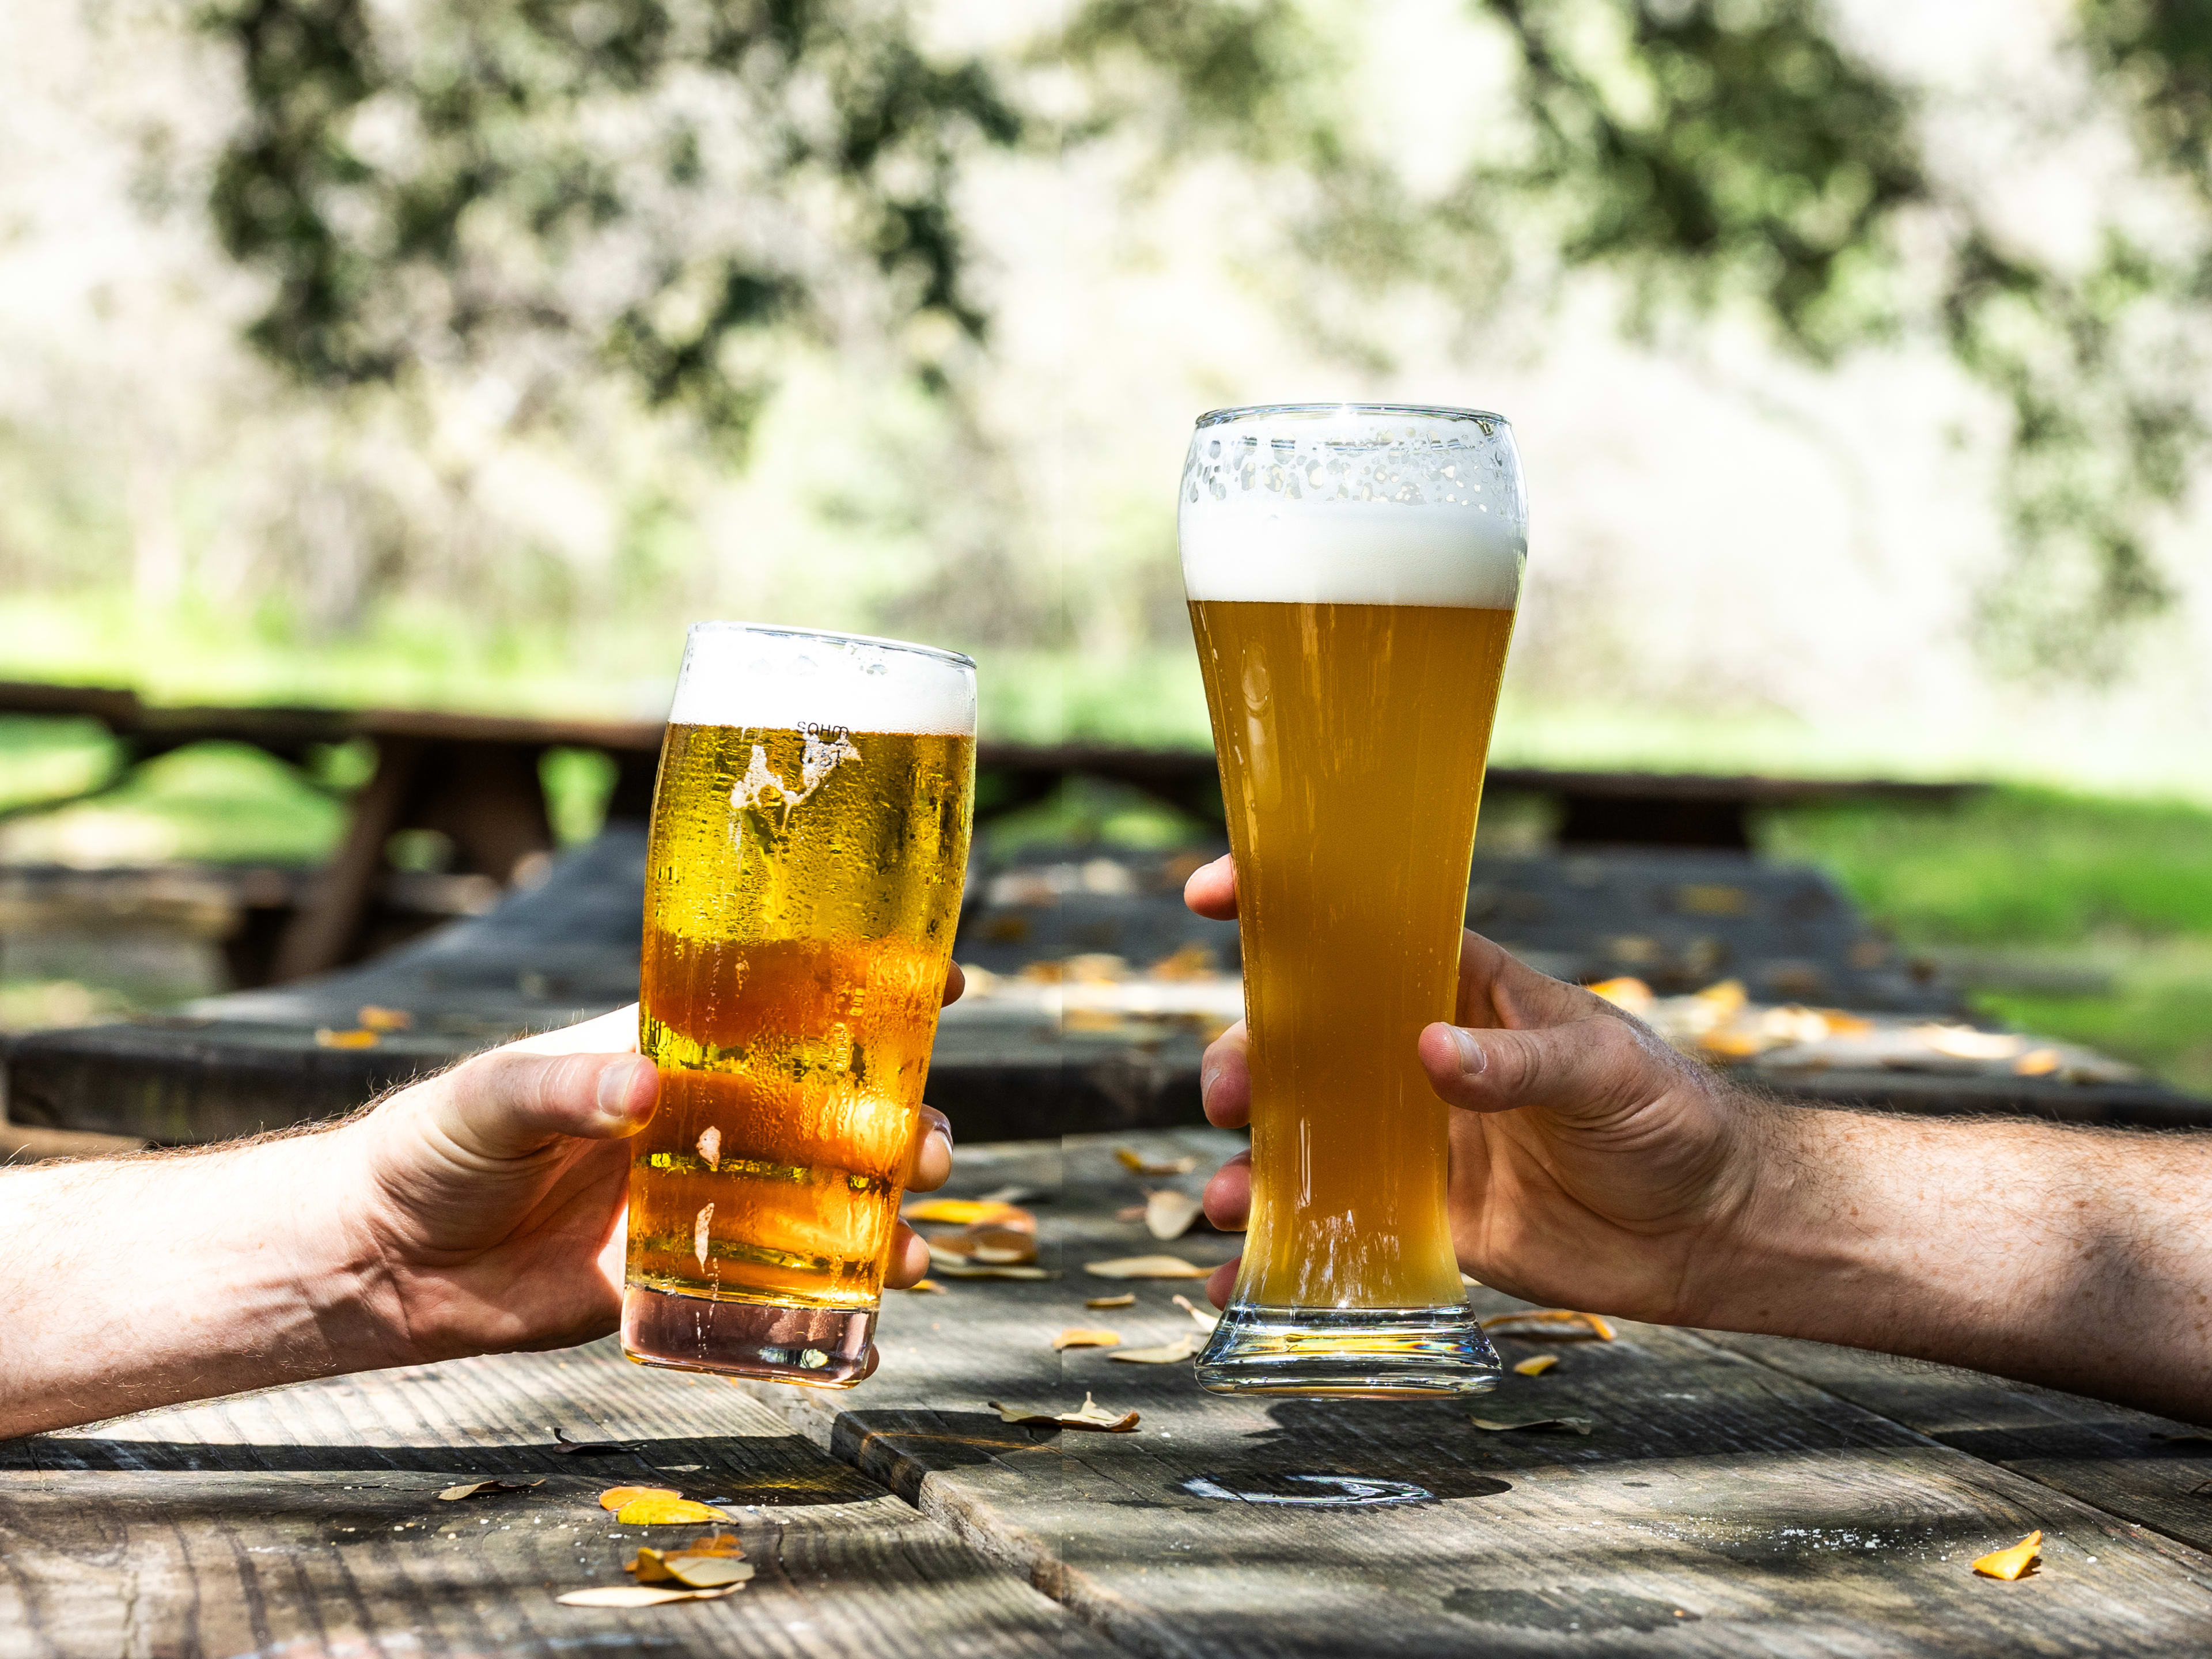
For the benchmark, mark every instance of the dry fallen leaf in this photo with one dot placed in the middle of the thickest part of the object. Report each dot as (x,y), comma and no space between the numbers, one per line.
(1092,1416)
(454,1494)
(1137,1163)
(373,1019)
(1537,1364)
(1011,1196)
(1077,1336)
(2014,1563)
(615,1497)
(657,1510)
(1167,1353)
(1130,1212)
(1169,1214)
(985,1246)
(973,1213)
(1552,1324)
(1541,1424)
(2038,1062)
(695,1569)
(327,1038)
(1199,1316)
(1146,1266)
(589,1448)
(636,1595)
(924,1287)
(959,1270)
(1127,1299)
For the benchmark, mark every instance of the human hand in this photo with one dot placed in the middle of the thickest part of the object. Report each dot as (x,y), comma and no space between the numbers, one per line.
(1591,1165)
(482,1208)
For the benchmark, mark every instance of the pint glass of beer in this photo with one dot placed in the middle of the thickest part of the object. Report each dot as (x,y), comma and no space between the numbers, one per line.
(809,842)
(1352,571)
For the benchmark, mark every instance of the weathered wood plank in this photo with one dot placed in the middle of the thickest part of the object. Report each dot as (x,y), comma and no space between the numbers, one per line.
(2104,1454)
(1776,1517)
(304,1522)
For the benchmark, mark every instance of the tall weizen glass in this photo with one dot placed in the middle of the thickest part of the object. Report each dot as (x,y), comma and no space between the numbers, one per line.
(809,843)
(1352,572)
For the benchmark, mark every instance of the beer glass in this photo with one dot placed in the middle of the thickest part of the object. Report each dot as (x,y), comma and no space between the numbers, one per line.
(809,843)
(1352,571)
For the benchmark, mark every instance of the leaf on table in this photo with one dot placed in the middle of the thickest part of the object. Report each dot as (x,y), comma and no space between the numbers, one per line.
(1127,1299)
(615,1497)
(694,1569)
(1537,1364)
(1167,1353)
(1077,1336)
(373,1019)
(473,1488)
(659,1510)
(1091,1415)
(636,1595)
(715,1543)
(1538,1425)
(1169,1214)
(985,1246)
(960,1270)
(1199,1316)
(2015,1563)
(2038,1062)
(973,1213)
(1137,1163)
(327,1038)
(589,1448)
(1552,1324)
(1146,1266)
(924,1287)
(1130,1212)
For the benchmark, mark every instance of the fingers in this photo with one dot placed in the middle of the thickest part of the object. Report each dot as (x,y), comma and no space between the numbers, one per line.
(511,1103)
(909,1262)
(1497,988)
(1221,1281)
(1228,1197)
(955,983)
(1586,1068)
(1224,1080)
(933,1155)
(1211,890)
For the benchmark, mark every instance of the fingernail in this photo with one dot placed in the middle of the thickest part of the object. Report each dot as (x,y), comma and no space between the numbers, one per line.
(941,1126)
(616,1082)
(1472,1059)
(1206,1078)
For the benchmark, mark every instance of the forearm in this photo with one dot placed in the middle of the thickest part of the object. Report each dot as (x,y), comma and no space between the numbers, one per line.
(2080,1259)
(130,1284)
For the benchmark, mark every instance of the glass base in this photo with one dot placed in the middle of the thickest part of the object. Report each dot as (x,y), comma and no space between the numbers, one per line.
(1382,1351)
(815,1347)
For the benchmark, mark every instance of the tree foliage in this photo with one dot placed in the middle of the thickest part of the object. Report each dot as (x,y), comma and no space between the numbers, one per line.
(660,183)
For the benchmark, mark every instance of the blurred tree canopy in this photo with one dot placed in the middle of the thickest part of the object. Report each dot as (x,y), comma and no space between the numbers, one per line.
(659,184)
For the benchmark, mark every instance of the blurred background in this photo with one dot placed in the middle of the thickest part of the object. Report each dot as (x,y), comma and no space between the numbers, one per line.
(407,354)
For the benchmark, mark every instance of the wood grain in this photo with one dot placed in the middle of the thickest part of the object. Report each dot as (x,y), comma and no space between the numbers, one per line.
(304,1522)
(1721,1507)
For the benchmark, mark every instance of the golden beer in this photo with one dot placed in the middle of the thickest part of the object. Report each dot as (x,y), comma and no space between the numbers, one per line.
(803,885)
(1353,574)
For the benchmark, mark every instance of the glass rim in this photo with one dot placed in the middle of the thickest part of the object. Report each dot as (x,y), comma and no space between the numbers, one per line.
(958,659)
(1433,411)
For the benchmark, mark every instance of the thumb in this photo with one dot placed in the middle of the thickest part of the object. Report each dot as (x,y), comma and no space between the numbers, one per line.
(508,1104)
(1584,1069)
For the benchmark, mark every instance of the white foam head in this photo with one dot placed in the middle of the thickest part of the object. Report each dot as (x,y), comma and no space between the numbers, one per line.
(745,674)
(1353,504)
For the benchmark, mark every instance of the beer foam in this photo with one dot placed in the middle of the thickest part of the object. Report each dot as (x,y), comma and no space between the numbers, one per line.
(787,678)
(1337,504)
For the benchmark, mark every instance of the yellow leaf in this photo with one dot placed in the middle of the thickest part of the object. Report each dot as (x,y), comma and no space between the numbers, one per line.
(715,1543)
(1167,1354)
(1169,1214)
(2037,1062)
(1137,1163)
(1631,995)
(1128,1298)
(708,1572)
(1090,1415)
(374,1018)
(971,1212)
(661,1510)
(1537,1364)
(1146,1266)
(327,1038)
(615,1497)
(924,1287)
(2014,1563)
(1075,1336)
(1199,1316)
(636,1595)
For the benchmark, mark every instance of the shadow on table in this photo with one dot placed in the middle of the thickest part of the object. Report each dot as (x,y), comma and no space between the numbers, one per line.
(782,1470)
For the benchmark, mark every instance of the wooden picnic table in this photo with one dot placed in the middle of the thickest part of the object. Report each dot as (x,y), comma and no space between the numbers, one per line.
(1735,1495)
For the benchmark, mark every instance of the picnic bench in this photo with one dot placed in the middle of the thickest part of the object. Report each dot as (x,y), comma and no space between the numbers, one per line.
(1028,1057)
(1735,1495)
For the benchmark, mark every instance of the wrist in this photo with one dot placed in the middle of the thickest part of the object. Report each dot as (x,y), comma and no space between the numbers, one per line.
(1773,1248)
(342,1270)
